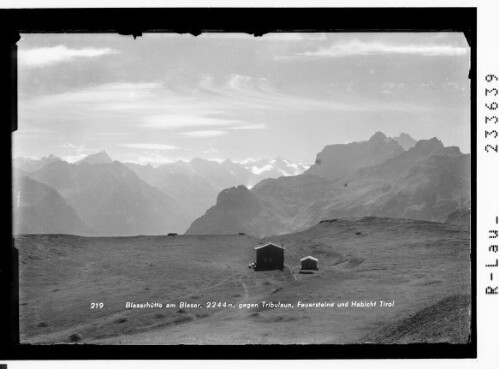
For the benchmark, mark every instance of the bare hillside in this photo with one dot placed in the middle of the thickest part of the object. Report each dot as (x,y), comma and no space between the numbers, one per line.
(410,263)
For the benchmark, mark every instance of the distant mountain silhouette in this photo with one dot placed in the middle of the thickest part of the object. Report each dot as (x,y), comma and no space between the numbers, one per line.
(194,192)
(101,157)
(405,141)
(40,209)
(112,199)
(274,203)
(119,199)
(30,165)
(336,161)
(235,209)
(427,182)
(262,197)
(196,184)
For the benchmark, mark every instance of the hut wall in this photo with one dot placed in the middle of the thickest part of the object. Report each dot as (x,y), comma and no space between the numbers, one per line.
(309,264)
(269,258)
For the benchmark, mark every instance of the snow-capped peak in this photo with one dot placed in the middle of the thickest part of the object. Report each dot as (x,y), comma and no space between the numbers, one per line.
(279,167)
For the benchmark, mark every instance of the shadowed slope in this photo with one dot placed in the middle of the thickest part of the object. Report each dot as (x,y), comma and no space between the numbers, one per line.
(41,209)
(427,182)
(448,321)
(113,200)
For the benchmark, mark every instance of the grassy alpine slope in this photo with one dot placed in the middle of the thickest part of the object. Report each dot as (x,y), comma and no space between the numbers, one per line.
(416,264)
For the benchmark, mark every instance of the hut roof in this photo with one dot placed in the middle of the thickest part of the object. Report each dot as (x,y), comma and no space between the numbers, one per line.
(309,257)
(270,244)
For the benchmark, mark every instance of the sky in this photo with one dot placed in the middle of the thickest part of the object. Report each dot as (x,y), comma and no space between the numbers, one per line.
(167,97)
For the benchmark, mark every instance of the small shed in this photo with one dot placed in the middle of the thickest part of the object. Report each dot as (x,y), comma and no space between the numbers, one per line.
(309,263)
(269,257)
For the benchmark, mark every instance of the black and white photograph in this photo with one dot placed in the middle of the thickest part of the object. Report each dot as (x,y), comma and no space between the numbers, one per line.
(227,189)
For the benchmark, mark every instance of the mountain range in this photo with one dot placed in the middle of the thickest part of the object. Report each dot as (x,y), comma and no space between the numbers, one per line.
(371,178)
(390,177)
(336,161)
(197,183)
(113,198)
(30,165)
(41,209)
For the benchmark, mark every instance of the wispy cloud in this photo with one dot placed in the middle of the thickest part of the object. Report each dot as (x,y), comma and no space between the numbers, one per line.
(186,120)
(104,96)
(359,48)
(237,81)
(77,152)
(73,158)
(227,105)
(390,88)
(150,146)
(44,56)
(204,134)
(211,150)
(68,145)
(96,104)
(250,126)
(155,159)
(243,83)
(73,153)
